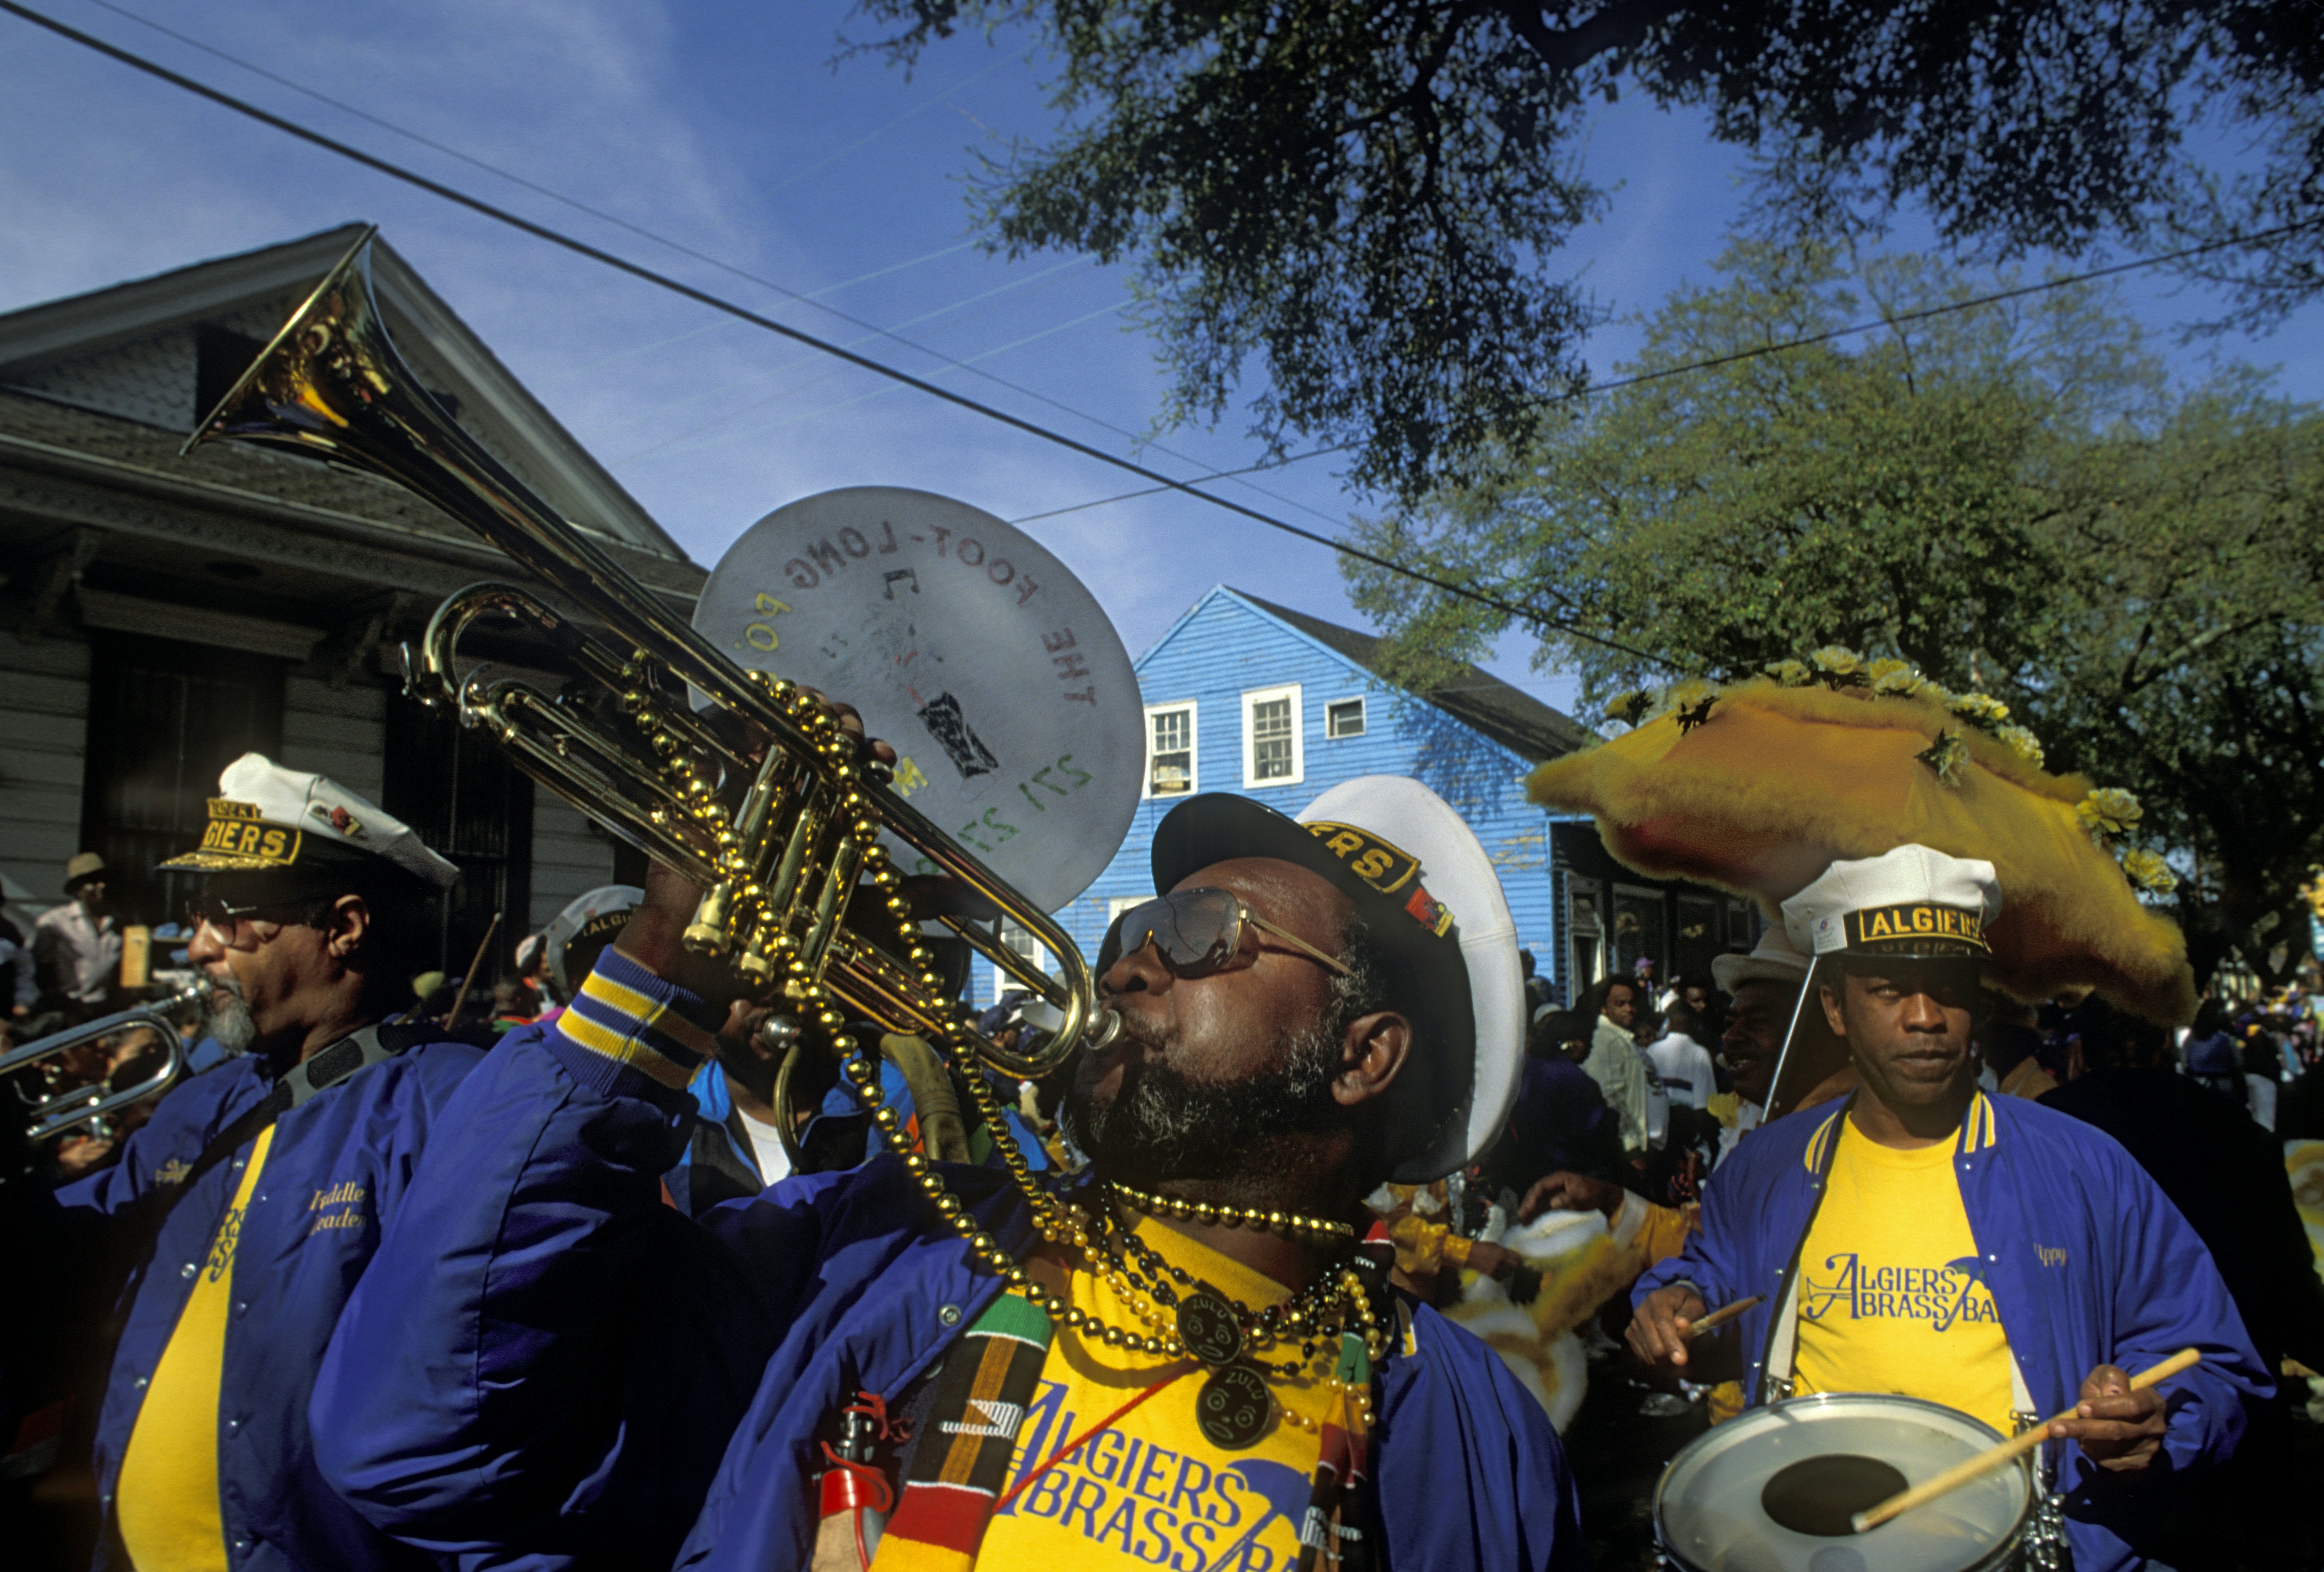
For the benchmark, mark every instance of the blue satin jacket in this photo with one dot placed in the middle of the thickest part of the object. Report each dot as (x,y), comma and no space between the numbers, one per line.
(545,1366)
(2087,1263)
(339,1166)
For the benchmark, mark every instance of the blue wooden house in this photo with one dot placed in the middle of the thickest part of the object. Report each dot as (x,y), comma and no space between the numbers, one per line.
(1242,695)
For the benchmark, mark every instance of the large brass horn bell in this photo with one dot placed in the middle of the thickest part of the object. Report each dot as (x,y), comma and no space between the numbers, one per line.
(781,838)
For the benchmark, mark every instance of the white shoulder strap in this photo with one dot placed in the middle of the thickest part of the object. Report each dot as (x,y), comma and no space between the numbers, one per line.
(2021,1401)
(1783,1343)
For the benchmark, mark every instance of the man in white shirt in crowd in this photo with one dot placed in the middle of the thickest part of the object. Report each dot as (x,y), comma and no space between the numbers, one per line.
(77,946)
(1681,1064)
(1616,1062)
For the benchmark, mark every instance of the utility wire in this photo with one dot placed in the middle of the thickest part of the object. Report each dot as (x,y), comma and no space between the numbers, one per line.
(809,299)
(694,441)
(728,392)
(741,313)
(1919,313)
(1526,615)
(1221,474)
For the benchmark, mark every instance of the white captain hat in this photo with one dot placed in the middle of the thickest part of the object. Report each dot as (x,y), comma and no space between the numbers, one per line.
(1912,902)
(1773,959)
(579,933)
(1427,894)
(266,818)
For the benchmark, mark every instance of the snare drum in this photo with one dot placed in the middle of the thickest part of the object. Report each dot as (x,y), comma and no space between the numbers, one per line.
(1712,1509)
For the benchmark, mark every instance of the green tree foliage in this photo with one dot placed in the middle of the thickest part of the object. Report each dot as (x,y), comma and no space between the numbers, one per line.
(2015,499)
(1369,199)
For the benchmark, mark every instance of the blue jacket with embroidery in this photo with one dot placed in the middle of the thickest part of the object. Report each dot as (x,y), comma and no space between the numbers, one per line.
(340,1164)
(546,1364)
(2087,1263)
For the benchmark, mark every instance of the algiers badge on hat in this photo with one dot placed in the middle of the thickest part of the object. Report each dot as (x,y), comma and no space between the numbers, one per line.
(1911,901)
(1386,867)
(265,817)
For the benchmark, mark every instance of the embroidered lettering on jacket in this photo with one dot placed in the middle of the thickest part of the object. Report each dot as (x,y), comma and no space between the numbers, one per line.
(339,1207)
(2051,1254)
(220,1260)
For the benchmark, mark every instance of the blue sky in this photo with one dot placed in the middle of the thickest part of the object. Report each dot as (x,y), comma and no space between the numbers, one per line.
(728,128)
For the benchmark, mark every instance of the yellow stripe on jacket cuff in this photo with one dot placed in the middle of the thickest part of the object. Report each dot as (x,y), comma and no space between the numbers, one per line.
(626,1013)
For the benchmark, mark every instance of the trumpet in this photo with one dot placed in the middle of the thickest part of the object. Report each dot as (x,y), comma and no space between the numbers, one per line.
(779,838)
(62,1111)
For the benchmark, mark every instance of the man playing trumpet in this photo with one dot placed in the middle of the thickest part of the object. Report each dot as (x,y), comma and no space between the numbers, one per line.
(263,1185)
(1179,1359)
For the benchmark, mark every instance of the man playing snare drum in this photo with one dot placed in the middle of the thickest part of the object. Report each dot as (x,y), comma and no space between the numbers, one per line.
(1928,1240)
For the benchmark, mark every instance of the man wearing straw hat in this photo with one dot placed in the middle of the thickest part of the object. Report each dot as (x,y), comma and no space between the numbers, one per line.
(76,946)
(263,1183)
(1930,1240)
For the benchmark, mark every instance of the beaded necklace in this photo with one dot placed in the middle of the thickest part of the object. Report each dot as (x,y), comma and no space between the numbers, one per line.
(1214,1330)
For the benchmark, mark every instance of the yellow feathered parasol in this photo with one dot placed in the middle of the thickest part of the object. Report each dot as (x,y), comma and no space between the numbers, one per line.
(1756,788)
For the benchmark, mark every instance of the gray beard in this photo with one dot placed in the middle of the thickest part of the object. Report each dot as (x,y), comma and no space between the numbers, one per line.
(1162,1126)
(229,1020)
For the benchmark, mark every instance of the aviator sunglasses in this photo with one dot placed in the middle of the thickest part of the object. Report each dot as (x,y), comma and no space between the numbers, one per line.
(223,914)
(1198,932)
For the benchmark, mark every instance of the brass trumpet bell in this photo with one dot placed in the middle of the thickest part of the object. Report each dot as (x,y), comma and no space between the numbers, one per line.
(52,1115)
(776,819)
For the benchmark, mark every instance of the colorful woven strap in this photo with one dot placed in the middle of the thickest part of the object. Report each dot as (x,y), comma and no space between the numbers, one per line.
(1334,1527)
(961,1460)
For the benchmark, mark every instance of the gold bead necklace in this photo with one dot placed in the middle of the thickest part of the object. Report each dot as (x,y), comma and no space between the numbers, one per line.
(1219,1214)
(1339,1293)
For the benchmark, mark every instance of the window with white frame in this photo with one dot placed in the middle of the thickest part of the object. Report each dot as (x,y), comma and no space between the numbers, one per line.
(1169,749)
(1270,738)
(1020,941)
(1344,718)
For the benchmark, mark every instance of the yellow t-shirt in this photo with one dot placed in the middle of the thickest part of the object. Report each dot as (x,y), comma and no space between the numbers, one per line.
(1151,1491)
(167,1494)
(1892,1295)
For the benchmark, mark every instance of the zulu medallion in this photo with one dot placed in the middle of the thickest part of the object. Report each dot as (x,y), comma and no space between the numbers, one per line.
(1234,1408)
(1207,1326)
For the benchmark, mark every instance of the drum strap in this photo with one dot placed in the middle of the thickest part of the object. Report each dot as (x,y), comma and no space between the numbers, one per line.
(1783,1343)
(2021,1401)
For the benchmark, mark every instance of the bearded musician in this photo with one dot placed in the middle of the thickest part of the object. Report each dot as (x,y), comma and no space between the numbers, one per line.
(1177,1359)
(264,1182)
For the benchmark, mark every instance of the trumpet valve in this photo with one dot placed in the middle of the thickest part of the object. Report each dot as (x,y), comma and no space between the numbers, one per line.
(707,934)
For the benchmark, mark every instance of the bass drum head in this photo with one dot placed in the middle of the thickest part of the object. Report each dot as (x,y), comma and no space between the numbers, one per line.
(1708,1516)
(988,667)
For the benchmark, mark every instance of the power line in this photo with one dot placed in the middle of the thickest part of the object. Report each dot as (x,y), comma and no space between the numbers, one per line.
(1221,475)
(687,442)
(807,297)
(727,391)
(741,313)
(810,298)
(1594,389)
(1159,481)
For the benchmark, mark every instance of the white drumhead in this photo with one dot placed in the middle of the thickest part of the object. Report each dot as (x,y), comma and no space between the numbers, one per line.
(1708,1517)
(989,668)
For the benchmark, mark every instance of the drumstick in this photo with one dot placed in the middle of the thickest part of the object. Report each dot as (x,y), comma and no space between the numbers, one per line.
(1984,1462)
(1721,1317)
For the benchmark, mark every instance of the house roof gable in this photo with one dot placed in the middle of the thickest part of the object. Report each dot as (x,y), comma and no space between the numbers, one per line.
(251,293)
